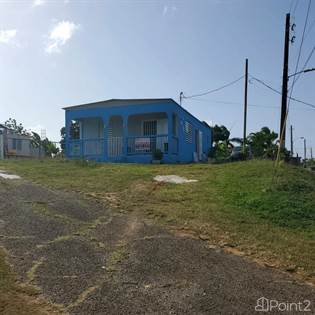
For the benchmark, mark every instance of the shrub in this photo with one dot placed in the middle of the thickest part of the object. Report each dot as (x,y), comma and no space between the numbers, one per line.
(157,154)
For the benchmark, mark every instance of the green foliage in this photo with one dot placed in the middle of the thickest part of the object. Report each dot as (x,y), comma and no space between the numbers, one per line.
(18,128)
(220,133)
(157,154)
(263,143)
(286,199)
(46,145)
(86,163)
(49,147)
(221,152)
(63,139)
(74,134)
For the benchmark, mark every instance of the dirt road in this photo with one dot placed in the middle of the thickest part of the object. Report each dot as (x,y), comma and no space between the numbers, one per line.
(92,260)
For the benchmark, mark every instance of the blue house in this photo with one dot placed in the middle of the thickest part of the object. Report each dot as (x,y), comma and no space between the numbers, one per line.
(130,130)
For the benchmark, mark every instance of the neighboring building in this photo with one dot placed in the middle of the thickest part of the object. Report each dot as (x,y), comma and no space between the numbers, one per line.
(16,145)
(130,130)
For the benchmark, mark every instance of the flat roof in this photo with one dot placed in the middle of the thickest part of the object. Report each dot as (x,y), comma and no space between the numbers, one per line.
(119,102)
(114,102)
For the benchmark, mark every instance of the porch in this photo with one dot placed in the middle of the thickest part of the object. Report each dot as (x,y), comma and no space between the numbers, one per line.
(126,138)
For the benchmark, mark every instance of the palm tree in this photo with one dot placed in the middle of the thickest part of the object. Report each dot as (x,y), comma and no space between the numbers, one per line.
(263,143)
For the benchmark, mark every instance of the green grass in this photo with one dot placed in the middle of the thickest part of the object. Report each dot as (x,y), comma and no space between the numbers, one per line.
(270,218)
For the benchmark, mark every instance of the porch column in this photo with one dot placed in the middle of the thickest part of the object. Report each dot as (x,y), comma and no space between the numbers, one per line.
(67,137)
(105,136)
(170,132)
(125,135)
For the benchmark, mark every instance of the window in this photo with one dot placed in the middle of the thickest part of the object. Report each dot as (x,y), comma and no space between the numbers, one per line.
(188,132)
(17,144)
(150,128)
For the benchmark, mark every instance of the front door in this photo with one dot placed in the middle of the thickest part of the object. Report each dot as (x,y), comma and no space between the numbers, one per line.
(198,144)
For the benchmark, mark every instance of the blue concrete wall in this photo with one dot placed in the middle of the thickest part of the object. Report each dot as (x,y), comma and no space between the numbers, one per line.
(185,152)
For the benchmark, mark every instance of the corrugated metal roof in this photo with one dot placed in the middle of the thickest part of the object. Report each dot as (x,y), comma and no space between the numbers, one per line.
(120,102)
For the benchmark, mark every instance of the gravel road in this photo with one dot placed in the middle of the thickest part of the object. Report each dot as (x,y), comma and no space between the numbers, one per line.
(92,260)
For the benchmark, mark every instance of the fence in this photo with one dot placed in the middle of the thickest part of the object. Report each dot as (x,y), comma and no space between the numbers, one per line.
(18,146)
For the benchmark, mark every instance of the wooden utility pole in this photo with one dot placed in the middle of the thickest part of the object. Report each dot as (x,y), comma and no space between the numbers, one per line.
(304,152)
(291,139)
(285,82)
(245,106)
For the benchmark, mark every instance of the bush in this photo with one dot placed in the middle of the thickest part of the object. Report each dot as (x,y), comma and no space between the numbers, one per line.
(86,163)
(157,154)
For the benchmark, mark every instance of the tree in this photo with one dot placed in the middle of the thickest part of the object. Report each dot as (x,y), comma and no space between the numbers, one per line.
(63,139)
(49,147)
(220,133)
(263,143)
(74,133)
(222,147)
(17,128)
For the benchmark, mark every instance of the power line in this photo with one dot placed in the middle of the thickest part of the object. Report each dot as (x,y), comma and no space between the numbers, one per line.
(309,29)
(305,64)
(214,90)
(278,92)
(300,50)
(237,103)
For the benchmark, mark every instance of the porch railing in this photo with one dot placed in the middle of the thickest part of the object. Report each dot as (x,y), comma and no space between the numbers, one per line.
(115,146)
(83,147)
(147,144)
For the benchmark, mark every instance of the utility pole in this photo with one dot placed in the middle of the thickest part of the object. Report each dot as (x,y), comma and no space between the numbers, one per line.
(291,140)
(304,141)
(311,153)
(285,82)
(181,96)
(304,151)
(245,105)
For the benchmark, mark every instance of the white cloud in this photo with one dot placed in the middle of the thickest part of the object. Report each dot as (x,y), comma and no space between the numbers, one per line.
(59,35)
(165,9)
(37,3)
(7,36)
(169,9)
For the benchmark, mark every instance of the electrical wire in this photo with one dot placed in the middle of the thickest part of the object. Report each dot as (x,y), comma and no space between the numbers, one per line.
(305,64)
(237,103)
(278,92)
(214,90)
(300,50)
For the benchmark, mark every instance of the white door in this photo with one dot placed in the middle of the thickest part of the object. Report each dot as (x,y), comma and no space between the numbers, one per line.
(200,146)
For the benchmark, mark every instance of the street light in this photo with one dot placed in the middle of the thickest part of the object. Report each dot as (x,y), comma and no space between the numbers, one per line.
(304,150)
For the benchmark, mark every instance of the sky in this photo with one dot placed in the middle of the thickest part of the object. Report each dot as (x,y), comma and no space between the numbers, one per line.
(60,53)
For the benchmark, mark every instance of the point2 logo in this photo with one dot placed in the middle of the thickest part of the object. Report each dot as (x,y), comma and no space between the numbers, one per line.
(267,305)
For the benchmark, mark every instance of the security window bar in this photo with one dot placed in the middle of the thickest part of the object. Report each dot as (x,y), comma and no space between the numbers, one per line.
(188,132)
(150,128)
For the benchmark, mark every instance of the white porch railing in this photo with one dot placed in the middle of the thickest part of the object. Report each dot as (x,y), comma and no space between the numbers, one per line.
(83,147)
(115,146)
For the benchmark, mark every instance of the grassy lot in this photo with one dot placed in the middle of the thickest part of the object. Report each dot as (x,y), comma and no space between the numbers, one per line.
(242,205)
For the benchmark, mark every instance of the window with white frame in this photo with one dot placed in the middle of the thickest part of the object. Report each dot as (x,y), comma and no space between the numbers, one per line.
(188,132)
